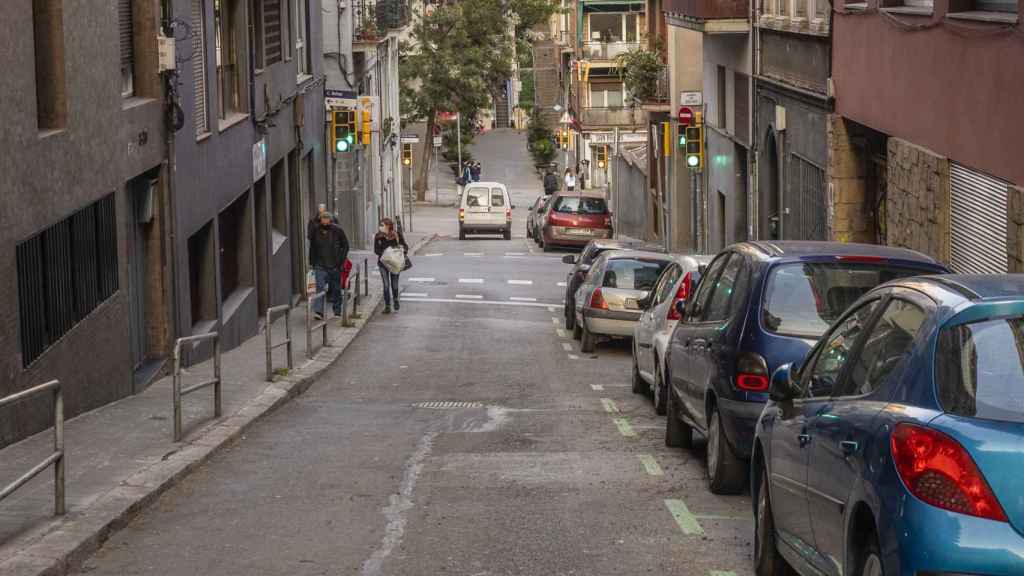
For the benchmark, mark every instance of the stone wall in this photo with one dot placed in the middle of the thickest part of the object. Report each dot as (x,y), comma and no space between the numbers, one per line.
(1015,229)
(852,219)
(917,202)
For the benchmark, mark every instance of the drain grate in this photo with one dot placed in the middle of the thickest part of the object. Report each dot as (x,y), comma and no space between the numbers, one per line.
(448,405)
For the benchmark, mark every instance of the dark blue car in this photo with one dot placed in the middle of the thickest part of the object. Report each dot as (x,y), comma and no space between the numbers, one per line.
(897,447)
(758,306)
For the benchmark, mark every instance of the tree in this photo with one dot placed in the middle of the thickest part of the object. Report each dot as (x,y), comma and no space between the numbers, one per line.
(639,71)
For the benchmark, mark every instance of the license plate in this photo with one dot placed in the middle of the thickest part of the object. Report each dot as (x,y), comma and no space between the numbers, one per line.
(578,231)
(632,304)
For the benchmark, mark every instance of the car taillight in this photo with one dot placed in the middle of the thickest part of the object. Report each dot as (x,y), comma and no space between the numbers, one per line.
(607,221)
(751,372)
(937,469)
(597,300)
(682,293)
(508,214)
(462,214)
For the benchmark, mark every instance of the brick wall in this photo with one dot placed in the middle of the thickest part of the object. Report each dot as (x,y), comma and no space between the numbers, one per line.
(1015,229)
(852,220)
(917,202)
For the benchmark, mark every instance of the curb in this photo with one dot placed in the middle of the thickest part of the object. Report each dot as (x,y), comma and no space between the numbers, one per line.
(81,533)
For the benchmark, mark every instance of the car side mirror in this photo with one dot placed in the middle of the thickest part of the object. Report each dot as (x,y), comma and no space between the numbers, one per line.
(569,259)
(584,268)
(782,387)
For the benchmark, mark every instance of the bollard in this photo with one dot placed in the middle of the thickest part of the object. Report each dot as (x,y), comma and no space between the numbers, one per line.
(310,327)
(287,309)
(56,457)
(366,277)
(177,391)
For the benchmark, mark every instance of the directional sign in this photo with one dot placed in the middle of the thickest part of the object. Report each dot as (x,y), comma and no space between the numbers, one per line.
(685,115)
(691,99)
(410,138)
(437,141)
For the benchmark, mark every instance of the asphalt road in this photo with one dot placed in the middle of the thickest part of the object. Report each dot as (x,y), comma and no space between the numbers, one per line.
(464,435)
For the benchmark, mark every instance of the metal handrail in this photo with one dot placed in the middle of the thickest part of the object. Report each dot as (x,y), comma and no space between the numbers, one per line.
(311,326)
(57,457)
(287,309)
(176,379)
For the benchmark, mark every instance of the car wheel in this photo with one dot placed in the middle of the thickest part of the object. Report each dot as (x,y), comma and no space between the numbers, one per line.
(870,559)
(529,232)
(726,472)
(508,233)
(767,560)
(588,341)
(570,317)
(462,232)
(639,386)
(677,433)
(660,390)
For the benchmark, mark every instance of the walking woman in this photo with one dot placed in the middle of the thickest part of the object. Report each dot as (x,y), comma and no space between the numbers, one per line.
(388,237)
(570,180)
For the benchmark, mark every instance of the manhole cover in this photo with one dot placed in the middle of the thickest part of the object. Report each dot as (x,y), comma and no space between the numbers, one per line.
(448,405)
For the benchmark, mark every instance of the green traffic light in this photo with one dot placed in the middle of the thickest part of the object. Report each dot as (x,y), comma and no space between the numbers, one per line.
(682,140)
(692,161)
(343,145)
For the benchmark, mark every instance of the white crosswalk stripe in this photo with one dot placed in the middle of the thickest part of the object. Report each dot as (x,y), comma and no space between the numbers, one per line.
(421,280)
(470,296)
(415,294)
(472,253)
(471,280)
(522,299)
(521,282)
(561,284)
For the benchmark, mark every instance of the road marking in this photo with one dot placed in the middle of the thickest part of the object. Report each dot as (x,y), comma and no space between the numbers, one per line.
(624,428)
(555,321)
(597,387)
(432,254)
(721,573)
(521,282)
(515,253)
(573,357)
(561,333)
(715,517)
(471,280)
(423,280)
(561,284)
(609,406)
(687,522)
(415,294)
(470,296)
(522,299)
(651,465)
(492,302)
(566,346)
(472,253)
(552,309)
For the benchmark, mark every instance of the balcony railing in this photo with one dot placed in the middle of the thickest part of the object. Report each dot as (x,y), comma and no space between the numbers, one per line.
(608,117)
(371,19)
(607,50)
(709,9)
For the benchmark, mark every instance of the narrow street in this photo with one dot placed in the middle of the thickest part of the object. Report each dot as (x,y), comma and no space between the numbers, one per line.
(465,434)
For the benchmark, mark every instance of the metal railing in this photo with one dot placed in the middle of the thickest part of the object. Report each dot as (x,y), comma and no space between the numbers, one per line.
(176,379)
(311,326)
(607,50)
(57,457)
(621,116)
(287,309)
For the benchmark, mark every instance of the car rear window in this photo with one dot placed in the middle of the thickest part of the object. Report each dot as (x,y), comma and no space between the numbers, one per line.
(580,205)
(803,299)
(497,198)
(980,369)
(476,197)
(632,274)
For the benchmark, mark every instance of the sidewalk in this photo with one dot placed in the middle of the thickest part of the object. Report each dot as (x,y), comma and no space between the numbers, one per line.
(121,456)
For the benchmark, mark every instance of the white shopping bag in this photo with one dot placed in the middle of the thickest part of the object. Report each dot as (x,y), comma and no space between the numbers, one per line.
(393,259)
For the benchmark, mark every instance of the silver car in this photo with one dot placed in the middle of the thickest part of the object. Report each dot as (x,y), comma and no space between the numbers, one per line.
(608,300)
(661,313)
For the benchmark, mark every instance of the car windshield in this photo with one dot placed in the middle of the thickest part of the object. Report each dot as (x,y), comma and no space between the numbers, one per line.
(580,205)
(803,299)
(632,274)
(980,369)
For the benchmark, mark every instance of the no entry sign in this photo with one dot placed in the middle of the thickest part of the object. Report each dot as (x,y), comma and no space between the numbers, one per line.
(685,115)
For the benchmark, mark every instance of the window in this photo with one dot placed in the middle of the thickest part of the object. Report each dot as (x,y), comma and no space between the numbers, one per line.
(663,291)
(580,205)
(299,19)
(201,279)
(704,288)
(200,115)
(606,27)
(832,356)
(980,369)
(632,28)
(236,261)
(228,20)
(885,348)
(720,97)
(476,197)
(800,8)
(721,295)
(125,40)
(783,8)
(272,31)
(497,198)
(632,274)
(64,273)
(48,30)
(821,9)
(606,96)
(256,33)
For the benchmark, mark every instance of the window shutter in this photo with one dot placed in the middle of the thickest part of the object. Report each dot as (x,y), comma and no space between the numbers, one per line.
(124,27)
(741,106)
(199,66)
(272,30)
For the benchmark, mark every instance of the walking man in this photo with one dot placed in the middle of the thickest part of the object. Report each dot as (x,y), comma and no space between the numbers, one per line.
(328,249)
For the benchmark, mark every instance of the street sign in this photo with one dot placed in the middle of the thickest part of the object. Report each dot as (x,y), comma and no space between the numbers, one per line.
(408,138)
(437,141)
(349,94)
(557,107)
(566,119)
(685,115)
(340,98)
(259,159)
(691,99)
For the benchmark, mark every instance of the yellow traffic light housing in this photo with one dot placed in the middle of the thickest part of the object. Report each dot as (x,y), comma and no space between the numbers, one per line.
(694,140)
(602,156)
(342,130)
(406,154)
(367,127)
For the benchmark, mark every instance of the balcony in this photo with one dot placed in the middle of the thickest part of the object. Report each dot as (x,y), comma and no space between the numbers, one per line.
(371,19)
(607,50)
(712,16)
(661,100)
(607,117)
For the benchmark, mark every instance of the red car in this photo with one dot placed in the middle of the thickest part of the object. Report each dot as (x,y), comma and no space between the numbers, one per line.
(574,219)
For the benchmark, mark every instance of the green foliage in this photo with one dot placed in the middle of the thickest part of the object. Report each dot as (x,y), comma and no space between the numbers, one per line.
(527,94)
(529,13)
(540,139)
(639,69)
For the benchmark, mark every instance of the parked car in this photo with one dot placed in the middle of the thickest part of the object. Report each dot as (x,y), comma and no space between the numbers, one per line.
(533,218)
(607,303)
(897,447)
(761,305)
(581,265)
(484,208)
(575,218)
(661,311)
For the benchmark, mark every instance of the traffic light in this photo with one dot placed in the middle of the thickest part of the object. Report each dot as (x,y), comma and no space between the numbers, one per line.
(694,140)
(681,143)
(666,139)
(343,129)
(563,139)
(406,154)
(367,127)
(602,156)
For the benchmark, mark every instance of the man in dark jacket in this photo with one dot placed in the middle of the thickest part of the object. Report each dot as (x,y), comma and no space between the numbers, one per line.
(550,182)
(328,249)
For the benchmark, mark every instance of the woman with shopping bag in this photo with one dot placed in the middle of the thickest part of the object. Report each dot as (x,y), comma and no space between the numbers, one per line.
(391,250)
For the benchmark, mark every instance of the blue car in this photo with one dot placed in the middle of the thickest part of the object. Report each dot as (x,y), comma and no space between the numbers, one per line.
(897,447)
(761,305)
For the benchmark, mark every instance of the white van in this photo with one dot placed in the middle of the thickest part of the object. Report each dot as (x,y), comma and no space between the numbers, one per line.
(484,208)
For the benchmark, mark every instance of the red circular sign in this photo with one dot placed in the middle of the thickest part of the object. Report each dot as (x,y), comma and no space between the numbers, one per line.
(685,115)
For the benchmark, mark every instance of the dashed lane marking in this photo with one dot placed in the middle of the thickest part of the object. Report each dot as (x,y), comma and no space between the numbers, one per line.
(573,357)
(470,296)
(609,406)
(421,280)
(515,253)
(521,282)
(433,254)
(415,294)
(561,333)
(522,299)
(650,465)
(472,253)
(561,284)
(471,280)
(624,428)
(597,387)
(552,309)
(488,302)
(566,346)
(684,518)
(721,573)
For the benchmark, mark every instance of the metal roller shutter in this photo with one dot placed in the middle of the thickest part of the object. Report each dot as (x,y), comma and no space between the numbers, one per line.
(124,27)
(272,30)
(977,222)
(199,66)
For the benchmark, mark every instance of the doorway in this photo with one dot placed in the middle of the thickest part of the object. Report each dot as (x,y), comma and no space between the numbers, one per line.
(772,219)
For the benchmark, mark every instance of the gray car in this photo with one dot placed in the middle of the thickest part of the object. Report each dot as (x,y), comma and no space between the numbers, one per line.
(607,303)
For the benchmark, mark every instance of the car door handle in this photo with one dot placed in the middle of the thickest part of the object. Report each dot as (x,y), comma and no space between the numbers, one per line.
(849,447)
(804,439)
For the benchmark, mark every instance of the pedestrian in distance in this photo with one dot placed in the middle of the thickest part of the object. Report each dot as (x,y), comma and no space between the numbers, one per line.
(582,178)
(328,250)
(570,180)
(550,182)
(474,171)
(389,237)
